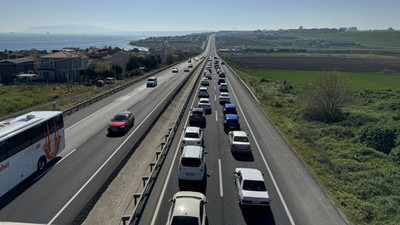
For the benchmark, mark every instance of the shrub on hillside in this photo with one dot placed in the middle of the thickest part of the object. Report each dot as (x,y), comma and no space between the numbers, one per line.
(324,98)
(380,136)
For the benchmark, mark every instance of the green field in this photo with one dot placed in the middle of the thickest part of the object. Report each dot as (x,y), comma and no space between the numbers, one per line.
(371,39)
(358,80)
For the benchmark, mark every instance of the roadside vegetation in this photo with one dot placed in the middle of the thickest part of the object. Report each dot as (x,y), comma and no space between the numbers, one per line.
(353,149)
(354,152)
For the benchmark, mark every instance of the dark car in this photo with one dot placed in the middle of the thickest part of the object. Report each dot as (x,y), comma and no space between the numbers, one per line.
(229,109)
(231,122)
(121,122)
(221,80)
(203,93)
(197,117)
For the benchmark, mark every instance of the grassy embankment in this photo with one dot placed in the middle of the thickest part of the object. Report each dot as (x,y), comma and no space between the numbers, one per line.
(363,182)
(20,97)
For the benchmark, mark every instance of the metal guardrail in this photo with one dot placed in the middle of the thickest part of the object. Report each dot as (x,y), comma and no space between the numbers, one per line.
(139,206)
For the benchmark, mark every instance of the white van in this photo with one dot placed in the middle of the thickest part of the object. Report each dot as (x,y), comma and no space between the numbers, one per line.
(192,163)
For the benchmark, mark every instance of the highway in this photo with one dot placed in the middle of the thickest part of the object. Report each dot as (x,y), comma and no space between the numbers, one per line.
(295,195)
(58,195)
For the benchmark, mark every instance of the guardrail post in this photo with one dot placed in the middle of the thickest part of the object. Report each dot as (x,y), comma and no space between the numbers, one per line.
(54,106)
(169,131)
(152,164)
(136,196)
(157,155)
(162,145)
(125,218)
(144,181)
(166,137)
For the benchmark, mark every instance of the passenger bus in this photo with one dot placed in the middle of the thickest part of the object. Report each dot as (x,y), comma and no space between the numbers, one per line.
(27,144)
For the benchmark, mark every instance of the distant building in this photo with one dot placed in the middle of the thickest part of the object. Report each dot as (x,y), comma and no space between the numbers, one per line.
(10,68)
(62,66)
(301,28)
(352,29)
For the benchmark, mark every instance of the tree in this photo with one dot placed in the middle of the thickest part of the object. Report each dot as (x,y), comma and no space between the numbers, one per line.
(324,98)
(117,70)
(132,63)
(103,69)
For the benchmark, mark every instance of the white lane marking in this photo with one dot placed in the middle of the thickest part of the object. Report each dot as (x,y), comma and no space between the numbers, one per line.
(170,170)
(215,97)
(216,115)
(265,162)
(215,88)
(109,158)
(221,192)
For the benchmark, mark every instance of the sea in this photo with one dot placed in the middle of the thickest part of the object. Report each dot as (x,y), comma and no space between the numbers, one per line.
(49,42)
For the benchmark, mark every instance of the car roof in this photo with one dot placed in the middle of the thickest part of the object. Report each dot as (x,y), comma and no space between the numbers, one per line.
(230,105)
(152,78)
(203,89)
(204,99)
(231,116)
(239,133)
(224,93)
(187,203)
(198,109)
(192,129)
(192,151)
(223,84)
(250,174)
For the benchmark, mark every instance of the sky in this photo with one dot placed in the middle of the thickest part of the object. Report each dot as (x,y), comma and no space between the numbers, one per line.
(196,15)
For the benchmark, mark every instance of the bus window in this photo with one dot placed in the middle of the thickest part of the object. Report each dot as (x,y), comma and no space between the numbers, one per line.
(3,152)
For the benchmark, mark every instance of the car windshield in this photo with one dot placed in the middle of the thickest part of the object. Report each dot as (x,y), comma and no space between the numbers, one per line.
(199,113)
(254,185)
(191,162)
(184,220)
(120,118)
(151,79)
(204,101)
(191,135)
(241,139)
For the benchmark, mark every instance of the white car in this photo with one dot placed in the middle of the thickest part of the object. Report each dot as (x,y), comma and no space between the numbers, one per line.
(192,163)
(175,70)
(251,187)
(224,98)
(205,82)
(151,82)
(205,104)
(239,142)
(187,207)
(186,69)
(192,136)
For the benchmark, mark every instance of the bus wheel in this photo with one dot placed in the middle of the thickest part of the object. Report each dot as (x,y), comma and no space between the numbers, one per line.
(41,164)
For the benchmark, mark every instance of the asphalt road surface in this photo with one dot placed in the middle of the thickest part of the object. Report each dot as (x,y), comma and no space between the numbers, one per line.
(295,195)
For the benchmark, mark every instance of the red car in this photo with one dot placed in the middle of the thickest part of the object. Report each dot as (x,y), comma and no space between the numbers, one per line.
(121,122)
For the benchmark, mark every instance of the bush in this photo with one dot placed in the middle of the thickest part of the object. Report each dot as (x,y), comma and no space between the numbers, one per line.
(324,98)
(395,154)
(380,136)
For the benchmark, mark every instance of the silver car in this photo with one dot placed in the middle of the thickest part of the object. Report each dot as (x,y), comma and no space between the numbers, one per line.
(192,136)
(239,142)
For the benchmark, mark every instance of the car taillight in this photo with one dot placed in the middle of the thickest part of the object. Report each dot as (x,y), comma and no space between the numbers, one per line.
(180,166)
(233,145)
(183,141)
(249,146)
(201,168)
